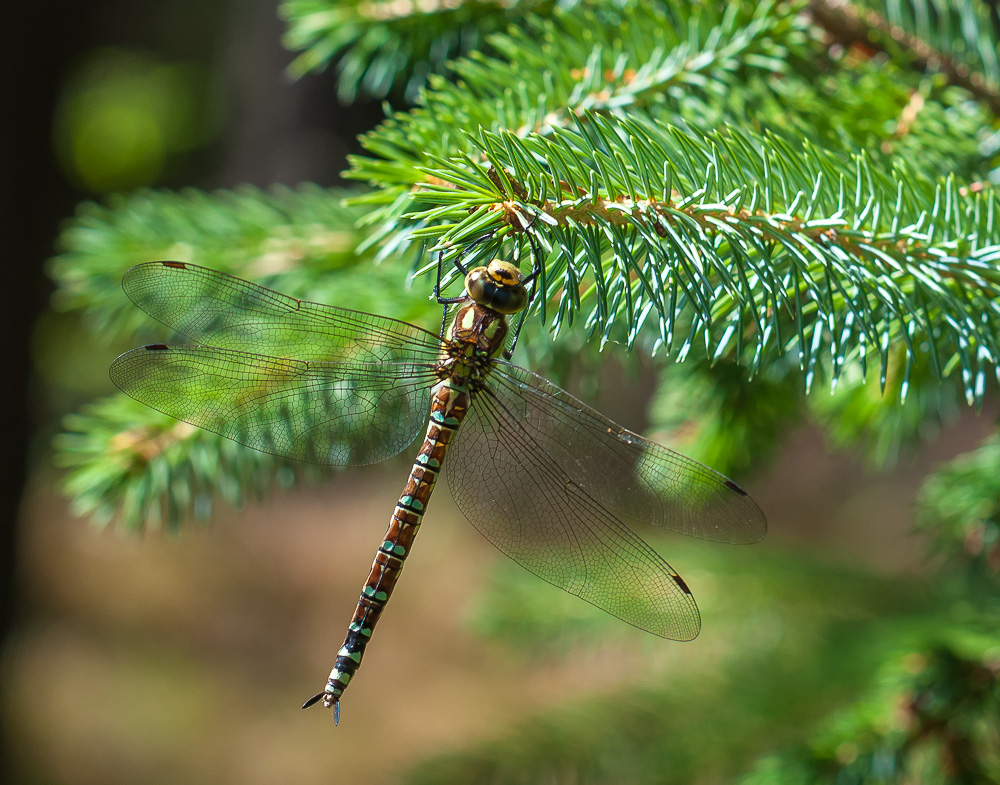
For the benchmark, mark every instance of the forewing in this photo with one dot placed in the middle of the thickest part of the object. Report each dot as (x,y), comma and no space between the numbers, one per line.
(506,482)
(337,413)
(636,479)
(216,309)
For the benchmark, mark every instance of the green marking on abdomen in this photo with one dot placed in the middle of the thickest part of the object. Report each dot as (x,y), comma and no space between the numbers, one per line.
(428,462)
(371,594)
(393,548)
(411,504)
(441,419)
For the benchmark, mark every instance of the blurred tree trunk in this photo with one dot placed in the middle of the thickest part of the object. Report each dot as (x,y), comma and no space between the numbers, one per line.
(35,199)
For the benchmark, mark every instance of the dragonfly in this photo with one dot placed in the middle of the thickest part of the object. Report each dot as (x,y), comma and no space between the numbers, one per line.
(552,483)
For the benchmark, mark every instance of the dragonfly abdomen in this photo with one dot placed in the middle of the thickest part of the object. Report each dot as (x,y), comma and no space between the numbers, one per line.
(449,405)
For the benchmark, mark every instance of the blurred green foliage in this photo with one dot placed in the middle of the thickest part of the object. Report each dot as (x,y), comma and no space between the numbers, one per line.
(960,511)
(794,638)
(383,45)
(124,116)
(934,718)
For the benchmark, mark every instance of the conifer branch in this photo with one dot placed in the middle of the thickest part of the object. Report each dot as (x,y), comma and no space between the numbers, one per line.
(147,471)
(740,244)
(383,44)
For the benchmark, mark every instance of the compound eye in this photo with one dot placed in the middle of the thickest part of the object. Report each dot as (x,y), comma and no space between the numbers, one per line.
(489,287)
(479,286)
(509,300)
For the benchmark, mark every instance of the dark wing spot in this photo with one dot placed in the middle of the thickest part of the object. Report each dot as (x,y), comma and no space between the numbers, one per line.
(175,265)
(156,347)
(734,487)
(680,582)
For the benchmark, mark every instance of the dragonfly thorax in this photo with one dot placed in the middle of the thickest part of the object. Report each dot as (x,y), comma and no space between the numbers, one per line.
(476,335)
(497,286)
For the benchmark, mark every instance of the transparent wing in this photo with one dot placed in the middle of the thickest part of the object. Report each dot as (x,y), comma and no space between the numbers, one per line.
(286,376)
(216,309)
(633,477)
(515,492)
(336,413)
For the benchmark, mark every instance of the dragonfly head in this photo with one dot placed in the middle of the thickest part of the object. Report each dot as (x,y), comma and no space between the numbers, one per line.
(497,286)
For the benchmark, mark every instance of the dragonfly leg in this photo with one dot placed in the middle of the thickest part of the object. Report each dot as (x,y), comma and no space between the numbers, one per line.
(444,301)
(437,283)
(444,320)
(536,254)
(531,278)
(458,265)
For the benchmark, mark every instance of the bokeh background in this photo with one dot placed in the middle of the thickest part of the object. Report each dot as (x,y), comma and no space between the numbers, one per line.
(165,659)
